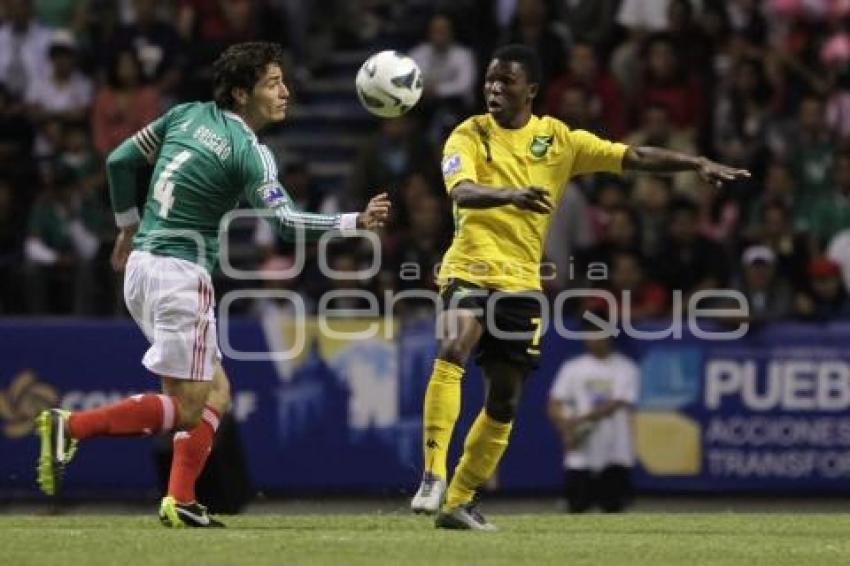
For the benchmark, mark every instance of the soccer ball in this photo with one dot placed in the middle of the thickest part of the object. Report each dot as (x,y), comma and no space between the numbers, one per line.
(389,84)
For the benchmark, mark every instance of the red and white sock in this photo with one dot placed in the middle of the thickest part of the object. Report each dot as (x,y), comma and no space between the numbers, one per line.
(134,416)
(191,450)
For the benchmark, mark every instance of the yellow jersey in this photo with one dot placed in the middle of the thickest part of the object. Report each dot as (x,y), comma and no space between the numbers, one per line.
(502,247)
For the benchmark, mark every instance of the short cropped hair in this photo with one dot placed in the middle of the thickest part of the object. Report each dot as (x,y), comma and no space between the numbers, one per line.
(525,56)
(241,66)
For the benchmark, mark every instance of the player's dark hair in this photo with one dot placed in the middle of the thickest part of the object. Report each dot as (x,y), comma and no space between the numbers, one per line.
(241,66)
(525,56)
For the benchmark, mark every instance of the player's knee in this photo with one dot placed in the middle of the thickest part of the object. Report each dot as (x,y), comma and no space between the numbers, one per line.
(190,414)
(220,398)
(453,351)
(502,409)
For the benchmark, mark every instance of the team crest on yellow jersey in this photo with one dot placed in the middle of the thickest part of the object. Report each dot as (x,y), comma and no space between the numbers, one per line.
(540,145)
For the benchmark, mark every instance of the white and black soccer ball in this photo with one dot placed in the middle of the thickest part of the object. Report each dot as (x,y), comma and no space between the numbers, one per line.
(389,84)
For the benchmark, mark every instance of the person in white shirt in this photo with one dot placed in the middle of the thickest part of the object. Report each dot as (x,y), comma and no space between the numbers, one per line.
(64,92)
(590,404)
(23,48)
(449,74)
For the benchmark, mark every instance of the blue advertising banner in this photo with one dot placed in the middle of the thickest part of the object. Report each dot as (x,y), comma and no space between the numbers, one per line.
(768,411)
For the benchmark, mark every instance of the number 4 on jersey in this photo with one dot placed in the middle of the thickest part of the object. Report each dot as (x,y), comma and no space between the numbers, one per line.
(164,187)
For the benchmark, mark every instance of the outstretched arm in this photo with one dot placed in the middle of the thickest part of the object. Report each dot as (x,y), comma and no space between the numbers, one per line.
(659,160)
(290,221)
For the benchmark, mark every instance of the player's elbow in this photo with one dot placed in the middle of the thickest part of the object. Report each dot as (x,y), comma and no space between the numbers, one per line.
(633,158)
(462,195)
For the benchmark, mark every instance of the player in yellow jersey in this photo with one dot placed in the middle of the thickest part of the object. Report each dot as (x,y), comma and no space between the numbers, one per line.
(504,171)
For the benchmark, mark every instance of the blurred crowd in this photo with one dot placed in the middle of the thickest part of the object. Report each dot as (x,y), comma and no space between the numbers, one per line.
(759,84)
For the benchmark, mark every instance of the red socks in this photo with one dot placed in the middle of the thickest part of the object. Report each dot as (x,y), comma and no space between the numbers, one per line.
(190,454)
(150,414)
(134,416)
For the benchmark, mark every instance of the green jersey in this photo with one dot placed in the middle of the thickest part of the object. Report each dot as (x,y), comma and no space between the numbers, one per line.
(205,159)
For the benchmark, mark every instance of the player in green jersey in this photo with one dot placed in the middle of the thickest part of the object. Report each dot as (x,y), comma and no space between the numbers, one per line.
(206,156)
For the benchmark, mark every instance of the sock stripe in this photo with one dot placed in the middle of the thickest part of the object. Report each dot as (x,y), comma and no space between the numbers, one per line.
(210,416)
(168,413)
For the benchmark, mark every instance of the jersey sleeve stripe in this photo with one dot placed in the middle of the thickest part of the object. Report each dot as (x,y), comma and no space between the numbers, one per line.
(148,135)
(271,169)
(143,143)
(146,151)
(150,131)
(263,161)
(147,142)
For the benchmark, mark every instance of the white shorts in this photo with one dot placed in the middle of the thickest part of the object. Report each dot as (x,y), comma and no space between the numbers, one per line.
(172,301)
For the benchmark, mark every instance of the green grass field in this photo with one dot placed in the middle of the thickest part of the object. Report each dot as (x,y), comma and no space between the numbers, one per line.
(633,539)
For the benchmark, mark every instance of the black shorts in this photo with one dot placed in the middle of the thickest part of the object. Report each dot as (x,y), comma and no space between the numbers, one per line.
(516,313)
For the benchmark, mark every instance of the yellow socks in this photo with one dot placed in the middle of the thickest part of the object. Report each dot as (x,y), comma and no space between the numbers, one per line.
(442,407)
(484,446)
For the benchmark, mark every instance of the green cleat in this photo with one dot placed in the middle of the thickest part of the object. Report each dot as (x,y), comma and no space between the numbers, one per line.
(179,515)
(57,449)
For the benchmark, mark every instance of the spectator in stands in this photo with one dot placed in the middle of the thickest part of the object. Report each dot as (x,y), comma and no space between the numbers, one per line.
(124,105)
(825,298)
(792,248)
(16,137)
(58,249)
(68,14)
(206,27)
(743,117)
(657,129)
(651,196)
(719,213)
(622,234)
(605,95)
(590,405)
(156,45)
(388,158)
(769,298)
(691,41)
(607,197)
(590,21)
(629,284)
(810,150)
(574,109)
(64,92)
(830,214)
(571,232)
(779,187)
(449,73)
(667,81)
(420,248)
(23,48)
(534,27)
(639,18)
(689,262)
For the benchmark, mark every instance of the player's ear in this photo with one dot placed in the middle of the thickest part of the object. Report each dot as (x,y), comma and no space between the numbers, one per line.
(533,88)
(240,96)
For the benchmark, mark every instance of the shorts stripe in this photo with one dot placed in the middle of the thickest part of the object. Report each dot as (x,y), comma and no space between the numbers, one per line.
(205,324)
(195,337)
(199,348)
